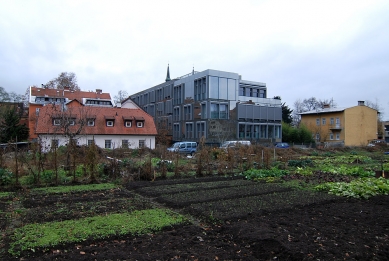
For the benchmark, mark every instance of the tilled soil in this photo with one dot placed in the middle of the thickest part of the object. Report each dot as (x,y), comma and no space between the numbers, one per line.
(338,229)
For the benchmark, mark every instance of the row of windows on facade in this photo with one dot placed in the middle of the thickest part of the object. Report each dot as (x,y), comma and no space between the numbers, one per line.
(337,136)
(245,131)
(63,100)
(219,88)
(91,123)
(107,143)
(324,121)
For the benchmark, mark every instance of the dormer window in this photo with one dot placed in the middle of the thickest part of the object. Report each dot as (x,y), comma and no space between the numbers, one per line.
(109,120)
(128,124)
(57,122)
(139,122)
(91,122)
(72,122)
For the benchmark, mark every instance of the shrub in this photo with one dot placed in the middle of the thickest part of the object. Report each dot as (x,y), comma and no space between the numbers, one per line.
(5,176)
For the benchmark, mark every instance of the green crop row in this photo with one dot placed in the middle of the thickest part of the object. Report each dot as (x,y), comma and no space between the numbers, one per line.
(33,236)
(359,188)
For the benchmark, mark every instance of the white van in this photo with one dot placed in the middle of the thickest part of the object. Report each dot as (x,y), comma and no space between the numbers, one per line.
(184,147)
(234,143)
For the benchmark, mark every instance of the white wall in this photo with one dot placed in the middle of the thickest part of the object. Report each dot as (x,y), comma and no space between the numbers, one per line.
(116,140)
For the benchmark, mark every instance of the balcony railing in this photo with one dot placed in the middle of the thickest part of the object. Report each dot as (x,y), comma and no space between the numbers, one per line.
(336,126)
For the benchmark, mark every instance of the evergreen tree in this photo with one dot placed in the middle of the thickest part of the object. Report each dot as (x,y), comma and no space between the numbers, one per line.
(286,114)
(10,127)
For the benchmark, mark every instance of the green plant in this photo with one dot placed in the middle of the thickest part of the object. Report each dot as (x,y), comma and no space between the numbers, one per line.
(33,236)
(257,174)
(5,176)
(359,188)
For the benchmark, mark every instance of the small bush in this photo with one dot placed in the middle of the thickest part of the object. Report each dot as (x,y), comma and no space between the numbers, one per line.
(5,176)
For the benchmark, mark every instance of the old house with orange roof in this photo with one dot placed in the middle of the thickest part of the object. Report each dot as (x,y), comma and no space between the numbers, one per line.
(40,97)
(107,127)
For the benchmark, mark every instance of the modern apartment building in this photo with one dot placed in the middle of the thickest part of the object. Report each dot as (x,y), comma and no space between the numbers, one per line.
(213,104)
(353,126)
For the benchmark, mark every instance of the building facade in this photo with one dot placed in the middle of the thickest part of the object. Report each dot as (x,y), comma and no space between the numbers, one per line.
(214,105)
(40,97)
(107,127)
(353,126)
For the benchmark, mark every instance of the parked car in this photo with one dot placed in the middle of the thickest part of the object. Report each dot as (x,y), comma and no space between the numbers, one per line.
(282,145)
(373,143)
(184,147)
(234,144)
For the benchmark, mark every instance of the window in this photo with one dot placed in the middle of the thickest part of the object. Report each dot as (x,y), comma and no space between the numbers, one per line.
(188,112)
(189,130)
(72,122)
(57,122)
(91,122)
(125,144)
(337,136)
(200,129)
(176,130)
(37,111)
(128,124)
(331,136)
(141,143)
(332,121)
(317,122)
(242,91)
(139,124)
(108,144)
(317,136)
(110,123)
(54,143)
(176,114)
(323,120)
(90,142)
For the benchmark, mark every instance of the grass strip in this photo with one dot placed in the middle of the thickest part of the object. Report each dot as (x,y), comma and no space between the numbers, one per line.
(5,194)
(77,188)
(49,234)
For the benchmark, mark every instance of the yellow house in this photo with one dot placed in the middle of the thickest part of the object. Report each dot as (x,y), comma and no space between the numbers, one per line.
(353,126)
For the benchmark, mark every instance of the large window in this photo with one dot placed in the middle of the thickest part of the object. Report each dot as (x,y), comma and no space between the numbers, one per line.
(223,90)
(318,122)
(214,111)
(176,131)
(189,130)
(213,87)
(219,111)
(142,143)
(188,112)
(323,121)
(108,144)
(176,114)
(200,129)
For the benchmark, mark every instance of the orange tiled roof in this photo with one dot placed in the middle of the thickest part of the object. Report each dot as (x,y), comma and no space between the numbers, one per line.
(101,115)
(71,95)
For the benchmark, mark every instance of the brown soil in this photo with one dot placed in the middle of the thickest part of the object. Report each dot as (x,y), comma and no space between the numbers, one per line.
(337,229)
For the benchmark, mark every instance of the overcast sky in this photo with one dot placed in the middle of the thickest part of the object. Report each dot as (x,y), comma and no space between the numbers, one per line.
(325,49)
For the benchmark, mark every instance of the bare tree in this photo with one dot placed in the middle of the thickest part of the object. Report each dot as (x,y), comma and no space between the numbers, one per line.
(309,104)
(120,96)
(376,106)
(64,80)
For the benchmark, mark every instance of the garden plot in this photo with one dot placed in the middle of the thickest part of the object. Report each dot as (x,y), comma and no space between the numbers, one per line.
(181,199)
(242,207)
(187,187)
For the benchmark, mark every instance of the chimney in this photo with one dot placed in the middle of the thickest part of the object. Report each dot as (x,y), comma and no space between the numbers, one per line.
(326,106)
(99,91)
(361,103)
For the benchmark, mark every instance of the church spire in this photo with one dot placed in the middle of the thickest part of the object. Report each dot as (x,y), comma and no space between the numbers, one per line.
(168,74)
